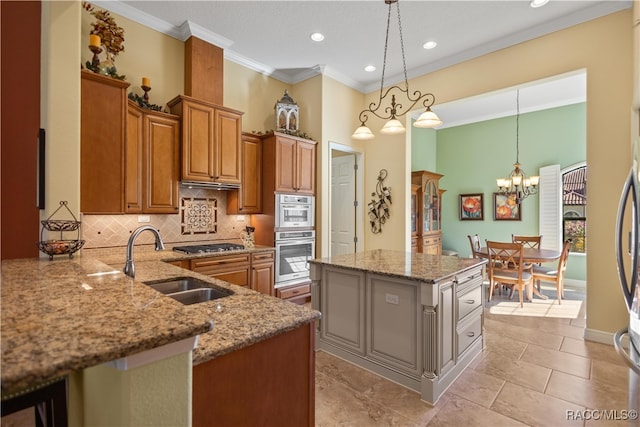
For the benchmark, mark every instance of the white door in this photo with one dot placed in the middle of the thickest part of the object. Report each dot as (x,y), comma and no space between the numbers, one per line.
(343,211)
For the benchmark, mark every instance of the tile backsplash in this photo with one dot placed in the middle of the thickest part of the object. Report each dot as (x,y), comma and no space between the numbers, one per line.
(202,216)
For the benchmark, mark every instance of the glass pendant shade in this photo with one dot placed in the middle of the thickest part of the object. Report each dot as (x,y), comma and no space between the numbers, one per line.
(428,119)
(392,127)
(362,133)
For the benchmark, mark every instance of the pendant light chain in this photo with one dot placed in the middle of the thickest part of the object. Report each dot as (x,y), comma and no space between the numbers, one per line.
(518,126)
(404,65)
(386,45)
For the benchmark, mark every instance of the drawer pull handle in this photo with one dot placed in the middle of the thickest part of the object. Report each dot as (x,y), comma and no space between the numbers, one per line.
(471,334)
(471,301)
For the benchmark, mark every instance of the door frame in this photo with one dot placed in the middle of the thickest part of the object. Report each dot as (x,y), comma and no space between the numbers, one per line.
(359,157)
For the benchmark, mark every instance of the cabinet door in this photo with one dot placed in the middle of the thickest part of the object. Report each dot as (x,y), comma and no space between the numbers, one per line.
(285,164)
(262,278)
(305,168)
(248,199)
(197,142)
(134,163)
(228,129)
(103,112)
(162,136)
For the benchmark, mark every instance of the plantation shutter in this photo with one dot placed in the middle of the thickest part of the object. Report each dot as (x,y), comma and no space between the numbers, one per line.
(550,216)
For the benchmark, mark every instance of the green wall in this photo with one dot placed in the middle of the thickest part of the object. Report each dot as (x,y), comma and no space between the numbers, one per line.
(472,156)
(423,149)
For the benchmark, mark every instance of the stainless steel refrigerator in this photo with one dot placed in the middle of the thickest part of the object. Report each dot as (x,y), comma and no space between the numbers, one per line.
(627,252)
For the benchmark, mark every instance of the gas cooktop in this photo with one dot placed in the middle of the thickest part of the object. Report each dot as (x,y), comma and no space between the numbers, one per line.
(208,248)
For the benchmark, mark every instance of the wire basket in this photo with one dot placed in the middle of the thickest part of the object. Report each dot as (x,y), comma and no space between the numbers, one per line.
(61,246)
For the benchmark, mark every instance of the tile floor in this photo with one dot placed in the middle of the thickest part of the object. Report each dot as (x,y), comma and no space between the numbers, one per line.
(533,371)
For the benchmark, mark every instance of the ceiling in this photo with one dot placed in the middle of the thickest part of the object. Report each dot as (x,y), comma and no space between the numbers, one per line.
(273,36)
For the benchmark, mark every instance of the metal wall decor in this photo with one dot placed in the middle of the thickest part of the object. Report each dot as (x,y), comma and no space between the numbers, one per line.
(379,206)
(287,114)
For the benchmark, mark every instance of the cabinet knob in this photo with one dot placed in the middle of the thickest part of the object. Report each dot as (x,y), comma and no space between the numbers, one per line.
(471,301)
(471,334)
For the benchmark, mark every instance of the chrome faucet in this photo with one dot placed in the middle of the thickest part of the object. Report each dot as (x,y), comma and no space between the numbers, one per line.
(129,268)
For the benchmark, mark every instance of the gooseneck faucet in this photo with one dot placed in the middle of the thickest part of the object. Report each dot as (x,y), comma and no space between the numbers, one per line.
(129,268)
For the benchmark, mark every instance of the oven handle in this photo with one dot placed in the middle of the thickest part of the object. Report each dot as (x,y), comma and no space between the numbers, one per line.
(298,206)
(294,242)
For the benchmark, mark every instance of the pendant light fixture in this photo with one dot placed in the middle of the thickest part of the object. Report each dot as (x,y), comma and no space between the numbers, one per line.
(428,119)
(517,183)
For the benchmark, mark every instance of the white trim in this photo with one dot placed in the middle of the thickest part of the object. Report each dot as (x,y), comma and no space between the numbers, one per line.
(598,336)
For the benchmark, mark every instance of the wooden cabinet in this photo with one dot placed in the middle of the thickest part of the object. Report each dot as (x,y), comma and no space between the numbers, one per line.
(210,141)
(230,268)
(414,217)
(152,161)
(289,164)
(248,199)
(263,272)
(300,293)
(103,110)
(428,212)
(253,270)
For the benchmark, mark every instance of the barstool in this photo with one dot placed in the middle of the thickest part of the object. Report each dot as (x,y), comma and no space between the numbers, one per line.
(48,399)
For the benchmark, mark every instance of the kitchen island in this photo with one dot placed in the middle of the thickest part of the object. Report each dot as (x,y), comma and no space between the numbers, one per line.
(115,339)
(413,318)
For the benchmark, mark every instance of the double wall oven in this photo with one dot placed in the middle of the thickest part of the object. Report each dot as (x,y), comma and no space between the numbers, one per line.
(294,238)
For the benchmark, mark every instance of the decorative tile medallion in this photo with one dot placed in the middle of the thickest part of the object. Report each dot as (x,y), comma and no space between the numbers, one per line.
(199,215)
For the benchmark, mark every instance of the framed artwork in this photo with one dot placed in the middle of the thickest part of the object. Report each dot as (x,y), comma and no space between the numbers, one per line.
(505,207)
(471,207)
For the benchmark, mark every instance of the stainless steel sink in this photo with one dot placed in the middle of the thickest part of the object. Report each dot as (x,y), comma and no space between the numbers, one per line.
(194,296)
(177,284)
(189,290)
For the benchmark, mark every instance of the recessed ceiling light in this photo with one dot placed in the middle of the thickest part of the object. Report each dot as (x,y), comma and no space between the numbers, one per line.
(317,37)
(430,44)
(370,68)
(538,3)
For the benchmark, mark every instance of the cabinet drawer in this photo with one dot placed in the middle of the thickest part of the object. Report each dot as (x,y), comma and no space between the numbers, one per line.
(469,301)
(435,240)
(237,276)
(468,333)
(294,291)
(262,256)
(218,261)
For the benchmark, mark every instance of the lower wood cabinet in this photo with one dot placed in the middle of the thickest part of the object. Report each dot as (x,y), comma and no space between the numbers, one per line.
(270,383)
(253,270)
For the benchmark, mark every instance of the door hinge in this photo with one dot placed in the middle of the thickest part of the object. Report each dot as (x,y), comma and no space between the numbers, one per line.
(355,239)
(355,203)
(355,166)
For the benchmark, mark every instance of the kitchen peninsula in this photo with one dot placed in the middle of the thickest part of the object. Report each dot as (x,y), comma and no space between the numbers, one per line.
(413,318)
(85,319)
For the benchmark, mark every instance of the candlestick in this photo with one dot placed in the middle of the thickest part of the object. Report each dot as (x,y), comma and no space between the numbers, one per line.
(146,81)
(95,61)
(146,95)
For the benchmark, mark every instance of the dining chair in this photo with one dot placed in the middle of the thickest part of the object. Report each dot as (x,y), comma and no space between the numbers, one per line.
(555,275)
(527,241)
(474,241)
(506,267)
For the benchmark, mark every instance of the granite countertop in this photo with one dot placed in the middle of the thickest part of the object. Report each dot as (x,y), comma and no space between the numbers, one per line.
(64,315)
(406,265)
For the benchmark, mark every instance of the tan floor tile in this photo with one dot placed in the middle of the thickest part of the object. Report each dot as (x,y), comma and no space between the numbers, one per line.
(591,349)
(404,401)
(558,360)
(510,327)
(345,372)
(589,393)
(534,408)
(460,412)
(477,387)
(616,374)
(516,371)
(339,405)
(499,343)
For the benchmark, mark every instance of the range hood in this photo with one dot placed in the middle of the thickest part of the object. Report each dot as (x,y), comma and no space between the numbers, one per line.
(209,185)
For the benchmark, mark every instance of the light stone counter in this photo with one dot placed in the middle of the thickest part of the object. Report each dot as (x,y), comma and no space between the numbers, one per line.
(61,316)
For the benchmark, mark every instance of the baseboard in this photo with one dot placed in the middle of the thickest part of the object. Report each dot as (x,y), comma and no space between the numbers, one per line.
(575,283)
(598,336)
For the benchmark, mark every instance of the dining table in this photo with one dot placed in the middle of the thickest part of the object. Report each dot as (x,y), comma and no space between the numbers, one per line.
(530,256)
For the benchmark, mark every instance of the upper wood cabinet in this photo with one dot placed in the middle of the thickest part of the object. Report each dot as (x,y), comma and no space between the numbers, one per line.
(428,212)
(248,199)
(210,141)
(103,110)
(290,163)
(152,161)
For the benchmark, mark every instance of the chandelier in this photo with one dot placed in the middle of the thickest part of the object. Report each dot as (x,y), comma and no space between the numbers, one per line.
(517,183)
(428,119)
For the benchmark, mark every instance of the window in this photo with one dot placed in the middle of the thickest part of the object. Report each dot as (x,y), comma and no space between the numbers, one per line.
(574,207)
